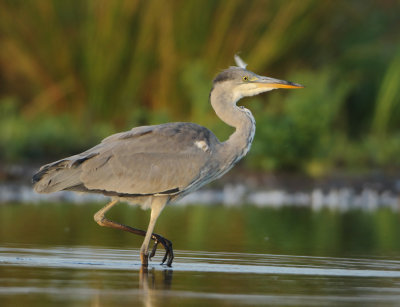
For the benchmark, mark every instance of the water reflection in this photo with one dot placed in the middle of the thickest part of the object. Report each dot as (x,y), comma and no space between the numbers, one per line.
(151,282)
(293,231)
(288,256)
(100,276)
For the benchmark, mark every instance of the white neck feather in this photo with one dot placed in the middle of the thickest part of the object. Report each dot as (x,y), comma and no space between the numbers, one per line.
(224,104)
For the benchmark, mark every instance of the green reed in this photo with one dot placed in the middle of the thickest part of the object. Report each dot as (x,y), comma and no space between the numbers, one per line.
(111,65)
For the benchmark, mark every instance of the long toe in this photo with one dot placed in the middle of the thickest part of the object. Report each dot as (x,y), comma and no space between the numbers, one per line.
(153,251)
(171,256)
(167,244)
(169,253)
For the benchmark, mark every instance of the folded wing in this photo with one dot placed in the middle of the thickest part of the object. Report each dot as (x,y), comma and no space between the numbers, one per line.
(145,160)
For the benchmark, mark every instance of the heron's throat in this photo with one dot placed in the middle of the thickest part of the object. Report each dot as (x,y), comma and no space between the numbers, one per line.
(224,104)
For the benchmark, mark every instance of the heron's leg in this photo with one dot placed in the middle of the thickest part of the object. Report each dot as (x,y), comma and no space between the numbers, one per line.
(103,221)
(157,205)
(100,219)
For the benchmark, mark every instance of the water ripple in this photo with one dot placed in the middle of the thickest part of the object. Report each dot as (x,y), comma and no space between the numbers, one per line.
(193,261)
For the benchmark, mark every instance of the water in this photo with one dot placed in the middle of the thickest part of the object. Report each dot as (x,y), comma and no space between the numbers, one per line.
(90,275)
(54,254)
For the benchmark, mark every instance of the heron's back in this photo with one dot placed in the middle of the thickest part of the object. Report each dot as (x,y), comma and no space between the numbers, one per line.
(146,160)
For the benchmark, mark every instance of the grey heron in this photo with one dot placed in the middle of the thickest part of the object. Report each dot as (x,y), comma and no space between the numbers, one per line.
(152,166)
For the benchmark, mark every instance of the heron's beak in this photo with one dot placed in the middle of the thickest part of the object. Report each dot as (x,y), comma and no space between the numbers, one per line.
(266,82)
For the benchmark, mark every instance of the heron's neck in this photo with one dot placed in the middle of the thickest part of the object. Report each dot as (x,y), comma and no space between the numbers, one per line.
(240,118)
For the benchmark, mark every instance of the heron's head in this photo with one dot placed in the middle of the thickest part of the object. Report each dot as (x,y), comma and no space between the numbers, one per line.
(243,83)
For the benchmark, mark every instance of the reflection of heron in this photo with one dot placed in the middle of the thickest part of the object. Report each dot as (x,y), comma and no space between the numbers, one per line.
(154,165)
(154,286)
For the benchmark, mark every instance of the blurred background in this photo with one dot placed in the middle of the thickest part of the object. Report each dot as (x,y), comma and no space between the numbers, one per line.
(322,177)
(73,72)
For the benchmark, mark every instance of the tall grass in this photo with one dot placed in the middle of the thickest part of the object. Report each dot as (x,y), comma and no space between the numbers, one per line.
(117,64)
(387,110)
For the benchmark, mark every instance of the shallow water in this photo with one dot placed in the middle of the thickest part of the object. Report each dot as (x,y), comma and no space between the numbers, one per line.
(102,276)
(54,254)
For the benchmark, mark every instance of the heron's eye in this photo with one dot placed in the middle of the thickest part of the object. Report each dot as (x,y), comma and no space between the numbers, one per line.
(245,78)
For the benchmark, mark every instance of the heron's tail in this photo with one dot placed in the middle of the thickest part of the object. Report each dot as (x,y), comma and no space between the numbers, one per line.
(56,176)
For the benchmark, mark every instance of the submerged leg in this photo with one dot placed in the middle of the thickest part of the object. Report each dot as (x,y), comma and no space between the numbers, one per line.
(100,219)
(157,205)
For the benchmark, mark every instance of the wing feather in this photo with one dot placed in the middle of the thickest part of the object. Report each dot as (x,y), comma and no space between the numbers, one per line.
(148,161)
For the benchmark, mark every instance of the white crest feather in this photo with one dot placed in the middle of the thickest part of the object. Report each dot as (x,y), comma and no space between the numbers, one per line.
(240,62)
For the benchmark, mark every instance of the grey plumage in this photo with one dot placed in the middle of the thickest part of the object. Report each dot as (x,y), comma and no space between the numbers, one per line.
(153,165)
(128,163)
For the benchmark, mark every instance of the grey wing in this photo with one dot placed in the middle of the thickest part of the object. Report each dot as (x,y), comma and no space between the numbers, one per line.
(146,160)
(149,163)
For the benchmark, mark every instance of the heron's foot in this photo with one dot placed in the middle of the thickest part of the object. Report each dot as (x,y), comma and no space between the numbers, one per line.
(167,244)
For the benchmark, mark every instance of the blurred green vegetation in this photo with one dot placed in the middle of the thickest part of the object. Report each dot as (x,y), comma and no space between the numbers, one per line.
(247,229)
(72,72)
